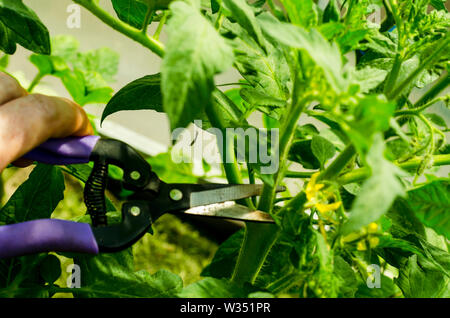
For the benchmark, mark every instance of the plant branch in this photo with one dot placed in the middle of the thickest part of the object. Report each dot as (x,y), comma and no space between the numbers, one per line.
(363,173)
(161,23)
(147,19)
(35,82)
(333,170)
(418,110)
(429,61)
(153,44)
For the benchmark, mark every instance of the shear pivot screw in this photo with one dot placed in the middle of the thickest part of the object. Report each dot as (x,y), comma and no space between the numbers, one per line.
(135,210)
(135,175)
(176,194)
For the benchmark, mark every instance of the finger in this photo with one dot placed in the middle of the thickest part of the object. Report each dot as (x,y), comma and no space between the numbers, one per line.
(28,121)
(9,88)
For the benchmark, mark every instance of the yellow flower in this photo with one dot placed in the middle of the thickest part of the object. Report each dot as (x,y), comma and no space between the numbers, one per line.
(374,241)
(361,246)
(372,228)
(312,188)
(324,208)
(319,199)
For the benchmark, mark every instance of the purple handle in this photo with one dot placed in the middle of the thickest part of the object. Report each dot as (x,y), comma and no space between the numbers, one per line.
(46,235)
(70,150)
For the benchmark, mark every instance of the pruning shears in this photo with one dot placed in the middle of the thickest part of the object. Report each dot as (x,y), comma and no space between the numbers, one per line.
(145,197)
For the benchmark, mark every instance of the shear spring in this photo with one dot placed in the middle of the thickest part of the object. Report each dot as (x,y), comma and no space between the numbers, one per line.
(94,194)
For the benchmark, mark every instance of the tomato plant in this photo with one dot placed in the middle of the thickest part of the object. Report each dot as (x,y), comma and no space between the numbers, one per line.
(362,112)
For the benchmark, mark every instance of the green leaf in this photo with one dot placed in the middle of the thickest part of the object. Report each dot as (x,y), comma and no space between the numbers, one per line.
(37,197)
(112,275)
(103,61)
(436,119)
(7,43)
(215,5)
(417,282)
(131,12)
(431,204)
(25,26)
(222,264)
(195,53)
(327,56)
(369,78)
(256,98)
(300,152)
(371,115)
(331,12)
(378,192)
(171,172)
(404,221)
(438,4)
(143,93)
(245,16)
(266,70)
(50,268)
(301,13)
(212,288)
(322,149)
(347,276)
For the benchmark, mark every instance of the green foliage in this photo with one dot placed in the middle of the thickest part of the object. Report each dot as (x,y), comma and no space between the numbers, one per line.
(431,204)
(19,24)
(342,91)
(85,75)
(195,53)
(143,93)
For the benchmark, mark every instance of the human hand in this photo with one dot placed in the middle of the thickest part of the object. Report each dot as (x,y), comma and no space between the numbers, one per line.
(28,120)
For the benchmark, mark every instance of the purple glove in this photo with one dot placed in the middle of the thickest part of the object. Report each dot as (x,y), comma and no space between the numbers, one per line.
(70,150)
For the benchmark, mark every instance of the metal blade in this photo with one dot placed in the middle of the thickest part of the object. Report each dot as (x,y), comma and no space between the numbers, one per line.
(230,210)
(229,193)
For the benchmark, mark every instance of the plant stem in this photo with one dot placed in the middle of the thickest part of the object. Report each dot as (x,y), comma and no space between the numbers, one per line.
(427,63)
(231,168)
(299,174)
(259,238)
(363,173)
(333,170)
(160,25)
(418,110)
(393,75)
(35,82)
(153,44)
(147,19)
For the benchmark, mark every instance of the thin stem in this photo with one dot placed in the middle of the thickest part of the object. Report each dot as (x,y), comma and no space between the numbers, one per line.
(299,174)
(219,20)
(393,74)
(35,82)
(418,110)
(427,63)
(147,19)
(259,238)
(333,170)
(161,23)
(153,44)
(363,173)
